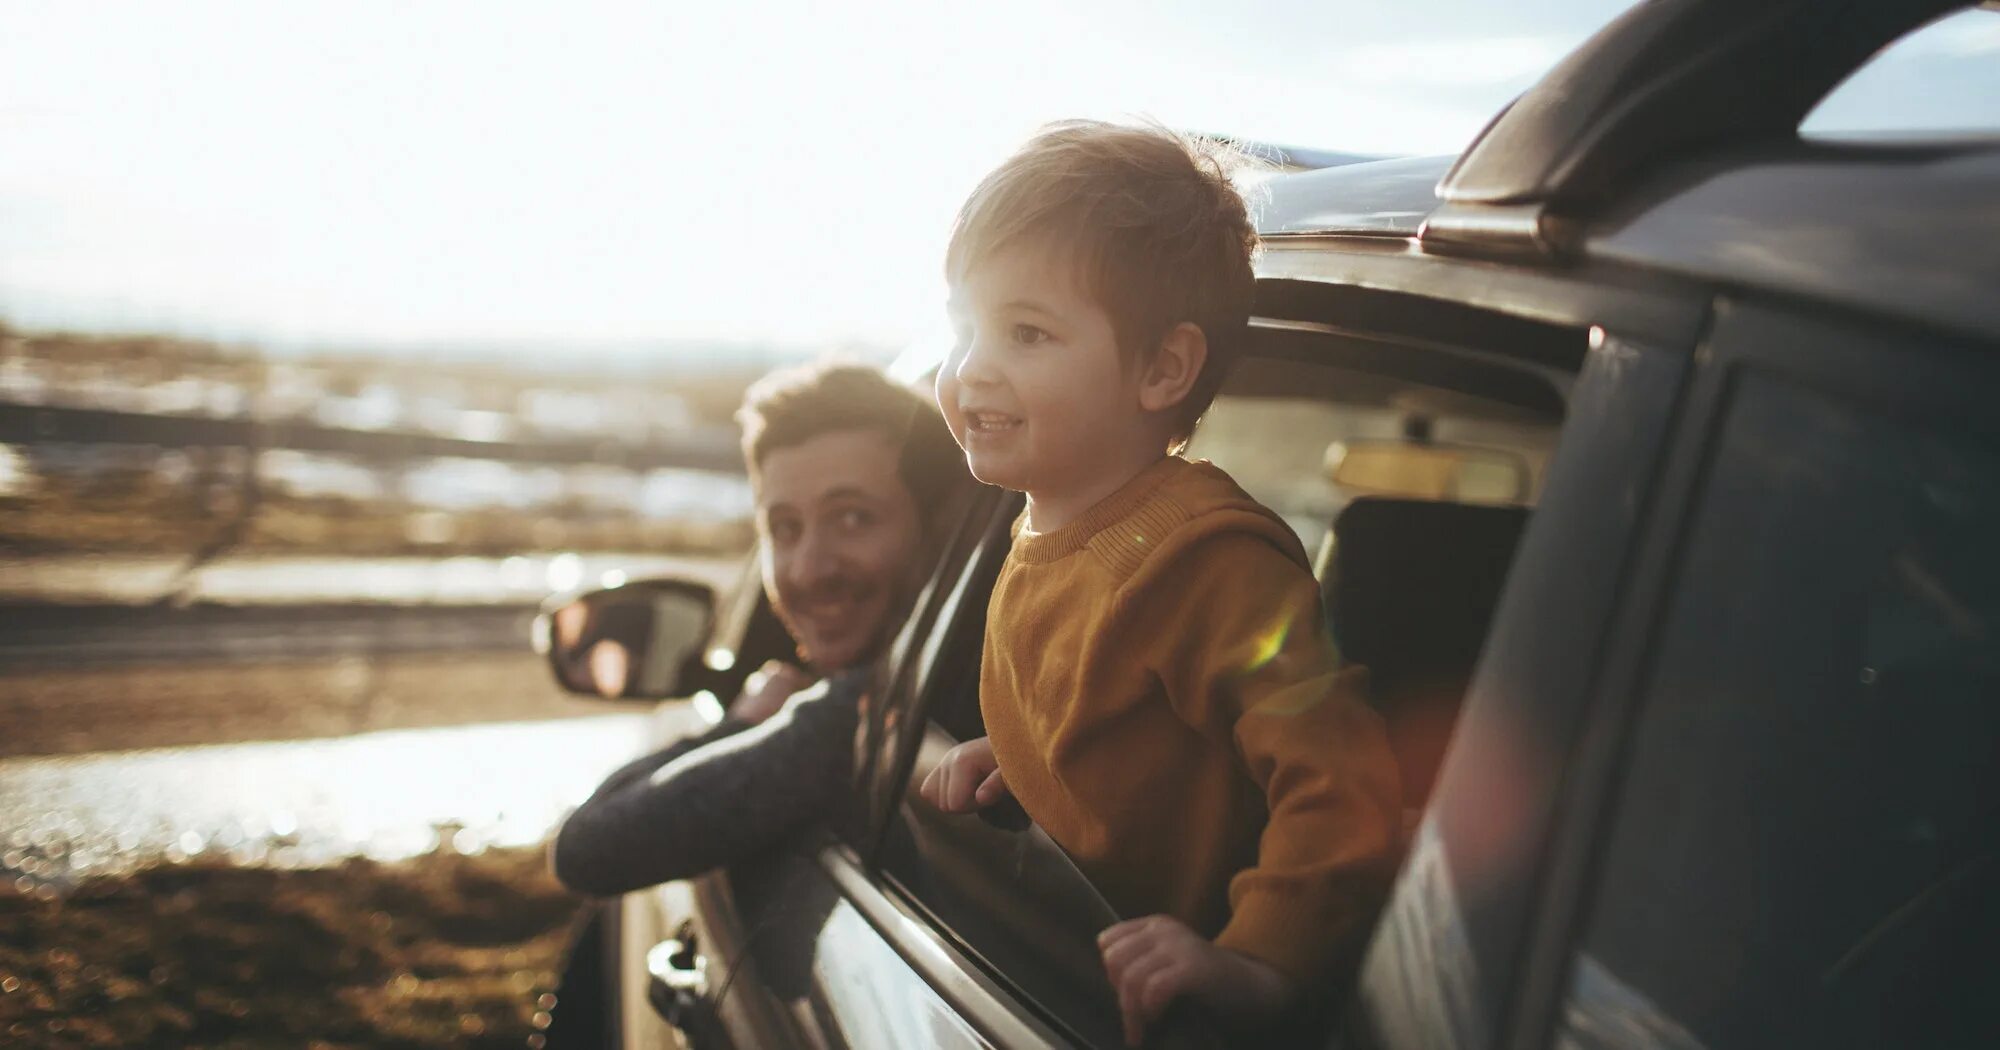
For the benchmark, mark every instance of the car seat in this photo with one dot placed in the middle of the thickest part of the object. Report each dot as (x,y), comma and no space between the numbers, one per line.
(1410,589)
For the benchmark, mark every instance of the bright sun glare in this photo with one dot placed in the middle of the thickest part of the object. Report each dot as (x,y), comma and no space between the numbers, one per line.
(287,175)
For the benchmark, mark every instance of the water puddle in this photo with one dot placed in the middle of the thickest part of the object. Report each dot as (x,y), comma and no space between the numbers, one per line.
(305,804)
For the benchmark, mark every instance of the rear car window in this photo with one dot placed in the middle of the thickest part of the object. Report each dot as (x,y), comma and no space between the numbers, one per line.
(1939,81)
(1804,851)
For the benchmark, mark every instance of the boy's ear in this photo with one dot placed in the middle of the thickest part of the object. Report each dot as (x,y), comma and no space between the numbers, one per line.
(1176,364)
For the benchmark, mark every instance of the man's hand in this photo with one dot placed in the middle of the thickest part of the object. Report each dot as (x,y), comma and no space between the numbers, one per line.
(767,689)
(1156,959)
(968,778)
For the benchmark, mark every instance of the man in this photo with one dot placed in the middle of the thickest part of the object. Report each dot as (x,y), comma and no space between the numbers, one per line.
(853,477)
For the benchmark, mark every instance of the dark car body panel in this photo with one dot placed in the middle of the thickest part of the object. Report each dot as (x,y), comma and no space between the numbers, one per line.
(1910,233)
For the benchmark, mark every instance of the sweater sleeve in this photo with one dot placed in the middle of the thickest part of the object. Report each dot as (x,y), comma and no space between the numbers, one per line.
(675,815)
(642,767)
(1244,654)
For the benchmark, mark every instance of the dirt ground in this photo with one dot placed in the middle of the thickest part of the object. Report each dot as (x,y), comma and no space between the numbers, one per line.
(440,951)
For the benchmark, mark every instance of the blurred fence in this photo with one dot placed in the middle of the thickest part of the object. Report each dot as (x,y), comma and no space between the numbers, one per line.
(105,480)
(40,424)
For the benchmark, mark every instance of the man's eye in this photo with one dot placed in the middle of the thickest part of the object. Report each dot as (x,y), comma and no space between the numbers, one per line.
(1029,335)
(783,532)
(856,519)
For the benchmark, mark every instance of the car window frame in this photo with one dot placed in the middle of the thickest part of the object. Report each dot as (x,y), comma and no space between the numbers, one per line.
(1444,962)
(906,669)
(1936,382)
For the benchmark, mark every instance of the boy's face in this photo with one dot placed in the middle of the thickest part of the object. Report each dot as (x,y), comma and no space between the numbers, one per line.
(1035,389)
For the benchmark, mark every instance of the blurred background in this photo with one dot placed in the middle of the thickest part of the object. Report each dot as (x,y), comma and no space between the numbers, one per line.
(332,339)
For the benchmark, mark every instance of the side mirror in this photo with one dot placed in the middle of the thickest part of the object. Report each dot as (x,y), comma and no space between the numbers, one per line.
(1426,471)
(643,639)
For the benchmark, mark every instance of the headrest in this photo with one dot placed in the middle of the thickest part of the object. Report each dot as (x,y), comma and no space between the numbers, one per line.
(1413,584)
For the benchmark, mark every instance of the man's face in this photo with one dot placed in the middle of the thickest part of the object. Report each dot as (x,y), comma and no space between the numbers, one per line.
(840,536)
(1035,390)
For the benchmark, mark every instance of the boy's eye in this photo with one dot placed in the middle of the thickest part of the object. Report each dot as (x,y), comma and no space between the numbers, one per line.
(1029,335)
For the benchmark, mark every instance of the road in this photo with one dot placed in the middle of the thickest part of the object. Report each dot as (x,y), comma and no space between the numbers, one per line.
(265,580)
(281,648)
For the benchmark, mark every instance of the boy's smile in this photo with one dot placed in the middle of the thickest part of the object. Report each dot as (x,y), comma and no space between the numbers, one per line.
(1036,390)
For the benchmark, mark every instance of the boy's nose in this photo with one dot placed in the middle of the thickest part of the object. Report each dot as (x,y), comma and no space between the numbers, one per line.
(975,365)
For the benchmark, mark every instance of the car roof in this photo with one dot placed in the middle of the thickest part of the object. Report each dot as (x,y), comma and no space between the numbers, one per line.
(1383,196)
(1908,231)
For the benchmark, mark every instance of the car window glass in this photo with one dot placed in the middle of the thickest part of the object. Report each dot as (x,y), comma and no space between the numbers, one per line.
(1940,80)
(912,656)
(1804,846)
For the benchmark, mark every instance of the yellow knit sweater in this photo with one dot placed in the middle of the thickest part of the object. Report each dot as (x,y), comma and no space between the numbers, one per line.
(1164,700)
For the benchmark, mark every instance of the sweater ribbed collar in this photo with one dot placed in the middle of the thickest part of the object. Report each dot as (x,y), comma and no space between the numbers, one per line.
(1049,546)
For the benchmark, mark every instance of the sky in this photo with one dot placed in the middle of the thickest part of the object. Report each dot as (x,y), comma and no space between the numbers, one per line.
(621,176)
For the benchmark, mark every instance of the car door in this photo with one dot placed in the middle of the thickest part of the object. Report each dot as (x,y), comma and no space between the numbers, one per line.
(671,945)
(1794,750)
(1443,967)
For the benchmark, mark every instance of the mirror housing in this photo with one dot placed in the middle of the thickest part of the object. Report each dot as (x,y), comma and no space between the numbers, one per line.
(646,639)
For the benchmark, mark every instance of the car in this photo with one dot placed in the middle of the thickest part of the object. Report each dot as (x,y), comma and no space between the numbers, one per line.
(1650,455)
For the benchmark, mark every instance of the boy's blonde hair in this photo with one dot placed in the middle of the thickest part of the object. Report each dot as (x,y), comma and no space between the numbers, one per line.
(1157,232)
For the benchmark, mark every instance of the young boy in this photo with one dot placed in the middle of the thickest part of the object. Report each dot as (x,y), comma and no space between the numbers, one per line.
(1159,689)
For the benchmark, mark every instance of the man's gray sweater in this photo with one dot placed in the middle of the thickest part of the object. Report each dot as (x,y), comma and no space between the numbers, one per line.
(714,799)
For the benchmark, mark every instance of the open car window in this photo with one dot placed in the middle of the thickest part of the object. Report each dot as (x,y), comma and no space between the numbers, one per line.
(1003,893)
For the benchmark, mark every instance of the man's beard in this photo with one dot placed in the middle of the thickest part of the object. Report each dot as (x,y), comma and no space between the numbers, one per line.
(903,591)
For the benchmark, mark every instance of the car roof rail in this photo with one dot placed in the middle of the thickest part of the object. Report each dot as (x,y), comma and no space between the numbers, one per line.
(1665,78)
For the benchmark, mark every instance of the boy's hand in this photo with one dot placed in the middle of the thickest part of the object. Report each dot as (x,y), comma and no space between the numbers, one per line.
(967,778)
(1153,960)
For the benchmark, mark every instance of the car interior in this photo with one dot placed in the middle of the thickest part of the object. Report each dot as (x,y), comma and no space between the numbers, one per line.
(1410,563)
(1408,476)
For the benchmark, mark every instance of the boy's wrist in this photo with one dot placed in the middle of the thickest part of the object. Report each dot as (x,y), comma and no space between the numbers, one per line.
(1282,932)
(1263,990)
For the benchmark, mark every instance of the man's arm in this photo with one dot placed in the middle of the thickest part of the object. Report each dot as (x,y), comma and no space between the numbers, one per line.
(732,795)
(763,696)
(642,767)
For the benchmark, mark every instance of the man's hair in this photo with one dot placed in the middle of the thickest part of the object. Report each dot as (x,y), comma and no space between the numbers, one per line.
(1151,223)
(794,405)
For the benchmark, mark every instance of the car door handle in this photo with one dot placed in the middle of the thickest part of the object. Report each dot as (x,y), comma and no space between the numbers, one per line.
(676,963)
(678,989)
